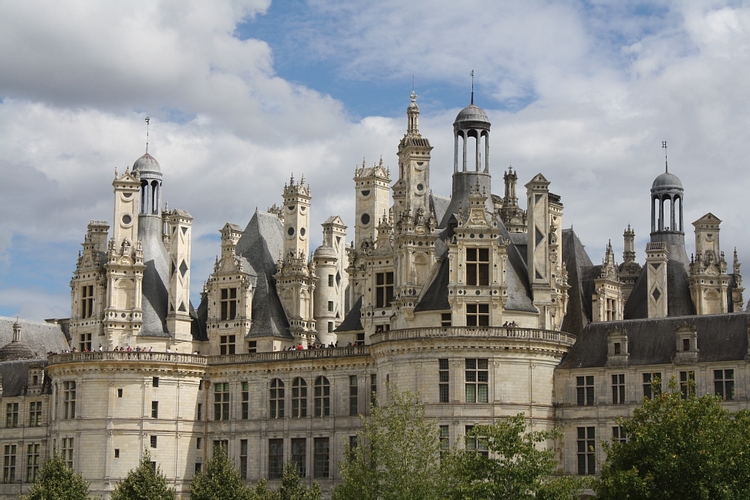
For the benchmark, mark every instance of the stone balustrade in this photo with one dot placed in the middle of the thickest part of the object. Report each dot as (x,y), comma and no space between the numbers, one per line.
(511,333)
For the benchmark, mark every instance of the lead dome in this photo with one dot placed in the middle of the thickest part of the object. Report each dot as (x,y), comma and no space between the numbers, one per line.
(146,163)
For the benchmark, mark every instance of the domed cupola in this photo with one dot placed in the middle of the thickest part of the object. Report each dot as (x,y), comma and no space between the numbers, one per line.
(151,179)
(667,197)
(16,349)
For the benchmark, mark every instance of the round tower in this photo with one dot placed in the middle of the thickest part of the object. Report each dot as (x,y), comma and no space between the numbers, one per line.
(151,179)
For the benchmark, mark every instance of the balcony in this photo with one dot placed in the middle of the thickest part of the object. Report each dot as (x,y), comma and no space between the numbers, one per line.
(510,333)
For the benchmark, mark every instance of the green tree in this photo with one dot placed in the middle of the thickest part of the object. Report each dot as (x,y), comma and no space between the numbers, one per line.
(145,482)
(57,481)
(514,466)
(220,481)
(292,488)
(398,457)
(679,449)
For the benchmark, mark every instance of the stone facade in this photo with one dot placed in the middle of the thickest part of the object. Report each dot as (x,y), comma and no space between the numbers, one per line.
(483,308)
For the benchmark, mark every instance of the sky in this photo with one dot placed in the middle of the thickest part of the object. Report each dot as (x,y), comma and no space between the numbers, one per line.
(242,94)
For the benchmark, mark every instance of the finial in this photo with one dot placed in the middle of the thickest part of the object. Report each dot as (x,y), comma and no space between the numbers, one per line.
(148,120)
(472,86)
(381,161)
(666,160)
(364,162)
(412,84)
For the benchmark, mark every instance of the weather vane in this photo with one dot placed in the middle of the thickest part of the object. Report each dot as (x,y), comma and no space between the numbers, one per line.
(666,159)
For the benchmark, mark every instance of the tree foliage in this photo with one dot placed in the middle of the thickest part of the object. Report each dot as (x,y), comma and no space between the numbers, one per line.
(291,488)
(514,467)
(219,481)
(145,482)
(57,481)
(398,457)
(679,449)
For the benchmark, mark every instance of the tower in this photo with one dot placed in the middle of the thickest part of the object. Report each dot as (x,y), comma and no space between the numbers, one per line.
(296,219)
(709,281)
(607,301)
(330,291)
(372,189)
(88,288)
(513,217)
(629,270)
(178,225)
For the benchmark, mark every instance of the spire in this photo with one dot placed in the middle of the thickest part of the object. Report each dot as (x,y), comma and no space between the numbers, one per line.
(666,159)
(148,120)
(412,114)
(472,86)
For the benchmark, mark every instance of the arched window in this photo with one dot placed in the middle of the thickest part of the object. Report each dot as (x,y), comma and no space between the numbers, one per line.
(322,397)
(277,398)
(299,398)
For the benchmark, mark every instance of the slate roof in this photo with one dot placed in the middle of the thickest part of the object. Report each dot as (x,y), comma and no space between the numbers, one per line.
(579,267)
(262,244)
(155,277)
(353,320)
(15,376)
(41,337)
(721,337)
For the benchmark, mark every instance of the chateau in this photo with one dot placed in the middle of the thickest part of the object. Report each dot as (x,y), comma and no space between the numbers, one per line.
(485,308)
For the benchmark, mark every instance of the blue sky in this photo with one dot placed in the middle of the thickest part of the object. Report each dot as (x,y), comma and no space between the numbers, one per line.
(243,93)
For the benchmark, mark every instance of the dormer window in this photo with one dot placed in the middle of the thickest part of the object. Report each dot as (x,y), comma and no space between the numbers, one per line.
(477,266)
(685,344)
(228,303)
(87,301)
(617,348)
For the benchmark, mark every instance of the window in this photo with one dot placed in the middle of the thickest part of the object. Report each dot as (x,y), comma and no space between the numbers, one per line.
(383,289)
(221,443)
(154,409)
(477,315)
(373,389)
(87,301)
(245,400)
(119,393)
(724,384)
(199,412)
(228,303)
(330,327)
(117,452)
(586,450)
(353,399)
(69,399)
(252,346)
(330,306)
(198,443)
(585,390)
(299,398)
(618,389)
(198,467)
(226,344)
(275,458)
(32,461)
(155,382)
(444,439)
(477,377)
(221,401)
(85,343)
(11,415)
(330,280)
(618,435)
(299,455)
(153,441)
(277,398)
(322,397)
(444,377)
(686,344)
(687,384)
(9,463)
(445,319)
(67,451)
(477,266)
(243,459)
(321,458)
(476,443)
(651,384)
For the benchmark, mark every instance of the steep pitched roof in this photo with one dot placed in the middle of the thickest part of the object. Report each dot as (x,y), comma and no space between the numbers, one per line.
(155,277)
(580,268)
(40,337)
(352,322)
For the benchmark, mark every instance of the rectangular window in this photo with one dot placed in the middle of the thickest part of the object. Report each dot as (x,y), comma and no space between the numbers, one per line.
(724,384)
(9,463)
(299,455)
(321,458)
(687,384)
(87,301)
(221,443)
(330,306)
(221,401)
(11,415)
(353,443)
(444,439)
(245,400)
(353,399)
(69,399)
(199,412)
(444,378)
(117,452)
(119,393)
(85,343)
(32,461)
(445,319)
(330,280)
(155,382)
(330,327)
(198,467)
(243,459)
(322,397)
(383,289)
(373,389)
(618,434)
(651,384)
(228,303)
(586,450)
(154,409)
(686,344)
(477,315)
(476,443)
(585,390)
(618,389)
(477,266)
(277,398)
(153,441)
(67,451)
(252,346)
(227,344)
(275,458)
(198,443)
(477,379)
